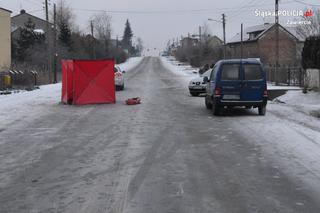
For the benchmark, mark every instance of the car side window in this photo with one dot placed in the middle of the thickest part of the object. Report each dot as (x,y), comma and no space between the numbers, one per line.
(230,72)
(252,72)
(213,71)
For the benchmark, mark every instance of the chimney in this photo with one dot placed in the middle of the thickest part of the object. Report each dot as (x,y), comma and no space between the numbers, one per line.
(22,11)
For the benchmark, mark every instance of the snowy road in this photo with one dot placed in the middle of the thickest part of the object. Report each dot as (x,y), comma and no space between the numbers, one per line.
(168,154)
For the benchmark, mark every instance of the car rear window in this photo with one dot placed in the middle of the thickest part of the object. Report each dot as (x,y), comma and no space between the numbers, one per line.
(230,72)
(252,72)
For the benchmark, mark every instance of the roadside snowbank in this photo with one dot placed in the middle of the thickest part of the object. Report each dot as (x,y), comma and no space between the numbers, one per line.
(307,103)
(130,63)
(26,105)
(273,87)
(188,72)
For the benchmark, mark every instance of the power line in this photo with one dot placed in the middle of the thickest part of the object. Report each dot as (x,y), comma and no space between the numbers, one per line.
(34,2)
(201,10)
(255,5)
(305,3)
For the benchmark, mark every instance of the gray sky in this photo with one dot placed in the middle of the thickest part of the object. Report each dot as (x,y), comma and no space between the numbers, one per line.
(158,21)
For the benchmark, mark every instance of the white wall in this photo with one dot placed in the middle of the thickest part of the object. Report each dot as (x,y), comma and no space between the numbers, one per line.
(313,78)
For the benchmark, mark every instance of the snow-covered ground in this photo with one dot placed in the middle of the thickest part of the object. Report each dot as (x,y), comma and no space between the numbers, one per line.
(289,133)
(309,103)
(25,105)
(188,72)
(130,63)
(273,87)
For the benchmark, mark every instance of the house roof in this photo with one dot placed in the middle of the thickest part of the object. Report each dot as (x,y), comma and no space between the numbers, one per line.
(259,31)
(216,38)
(9,11)
(258,28)
(294,32)
(28,14)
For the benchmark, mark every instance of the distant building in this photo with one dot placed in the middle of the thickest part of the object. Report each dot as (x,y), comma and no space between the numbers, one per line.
(259,42)
(189,41)
(18,22)
(5,39)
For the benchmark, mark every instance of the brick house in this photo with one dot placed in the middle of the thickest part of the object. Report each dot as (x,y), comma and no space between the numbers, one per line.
(259,42)
(18,22)
(5,39)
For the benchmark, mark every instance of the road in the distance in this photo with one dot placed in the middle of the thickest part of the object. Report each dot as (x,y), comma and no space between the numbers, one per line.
(168,154)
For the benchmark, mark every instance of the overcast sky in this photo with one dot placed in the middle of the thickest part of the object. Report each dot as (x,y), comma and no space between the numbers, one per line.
(158,21)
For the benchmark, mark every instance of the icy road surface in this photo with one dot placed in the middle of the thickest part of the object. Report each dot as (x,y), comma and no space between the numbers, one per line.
(168,154)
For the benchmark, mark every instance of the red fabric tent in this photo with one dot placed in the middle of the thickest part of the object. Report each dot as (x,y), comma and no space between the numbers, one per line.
(67,81)
(88,82)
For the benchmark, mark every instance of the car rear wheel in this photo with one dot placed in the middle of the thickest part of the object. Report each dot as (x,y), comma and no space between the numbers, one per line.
(215,108)
(262,110)
(208,104)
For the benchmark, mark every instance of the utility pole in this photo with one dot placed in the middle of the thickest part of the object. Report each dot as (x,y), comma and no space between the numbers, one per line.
(117,43)
(48,41)
(55,79)
(93,41)
(224,35)
(200,34)
(277,40)
(241,41)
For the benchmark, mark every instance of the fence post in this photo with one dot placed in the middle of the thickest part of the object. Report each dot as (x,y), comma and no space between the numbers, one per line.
(289,76)
(301,84)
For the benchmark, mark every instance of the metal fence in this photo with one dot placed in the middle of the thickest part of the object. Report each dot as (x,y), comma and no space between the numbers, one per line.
(285,75)
(23,77)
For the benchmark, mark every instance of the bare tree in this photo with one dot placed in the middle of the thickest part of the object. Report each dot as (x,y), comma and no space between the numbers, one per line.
(309,25)
(139,46)
(102,26)
(65,15)
(206,32)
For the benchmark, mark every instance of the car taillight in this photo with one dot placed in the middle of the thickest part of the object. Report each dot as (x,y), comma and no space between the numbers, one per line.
(265,93)
(217,92)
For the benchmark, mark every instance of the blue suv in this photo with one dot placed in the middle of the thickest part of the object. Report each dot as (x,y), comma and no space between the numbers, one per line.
(237,82)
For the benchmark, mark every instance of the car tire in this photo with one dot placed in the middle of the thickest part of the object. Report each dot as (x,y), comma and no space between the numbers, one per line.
(262,110)
(122,87)
(194,94)
(208,104)
(215,108)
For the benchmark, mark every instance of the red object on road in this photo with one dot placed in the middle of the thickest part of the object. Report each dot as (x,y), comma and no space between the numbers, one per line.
(88,82)
(133,101)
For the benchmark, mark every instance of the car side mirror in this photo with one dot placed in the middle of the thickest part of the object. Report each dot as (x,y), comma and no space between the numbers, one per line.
(123,71)
(206,79)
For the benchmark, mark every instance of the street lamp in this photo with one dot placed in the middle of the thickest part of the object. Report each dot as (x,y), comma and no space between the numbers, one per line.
(210,19)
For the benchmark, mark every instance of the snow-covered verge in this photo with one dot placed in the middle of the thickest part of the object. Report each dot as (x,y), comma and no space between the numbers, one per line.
(186,71)
(273,87)
(26,105)
(308,104)
(130,63)
(288,135)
